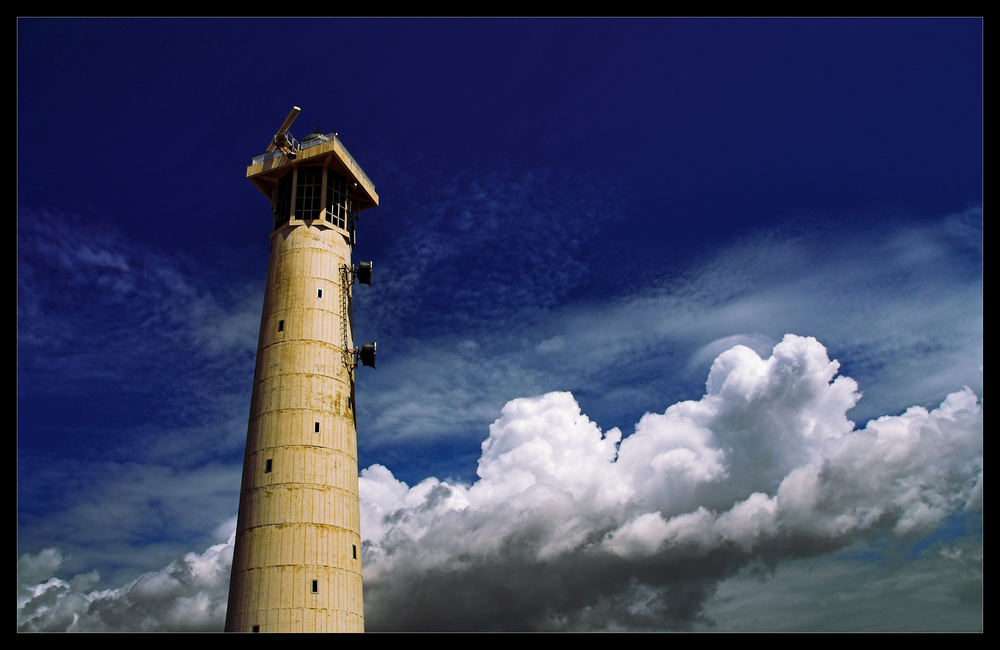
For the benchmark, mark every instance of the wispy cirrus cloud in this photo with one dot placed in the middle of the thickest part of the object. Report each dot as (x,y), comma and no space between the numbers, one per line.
(100,305)
(489,247)
(902,305)
(134,374)
(123,516)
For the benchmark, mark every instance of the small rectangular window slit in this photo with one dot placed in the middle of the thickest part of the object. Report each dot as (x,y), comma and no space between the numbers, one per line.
(315,586)
(354,551)
(319,293)
(267,466)
(317,427)
(281,326)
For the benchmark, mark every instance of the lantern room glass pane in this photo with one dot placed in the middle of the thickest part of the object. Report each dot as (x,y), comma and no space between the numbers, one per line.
(281,205)
(307,192)
(338,203)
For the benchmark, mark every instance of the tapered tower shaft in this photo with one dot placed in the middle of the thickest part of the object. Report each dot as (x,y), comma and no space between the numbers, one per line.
(297,557)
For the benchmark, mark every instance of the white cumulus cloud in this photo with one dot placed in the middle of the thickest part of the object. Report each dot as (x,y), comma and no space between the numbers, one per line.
(569,527)
(188,595)
(566,519)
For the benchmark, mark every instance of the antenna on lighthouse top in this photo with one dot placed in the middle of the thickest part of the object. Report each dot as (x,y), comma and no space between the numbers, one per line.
(282,140)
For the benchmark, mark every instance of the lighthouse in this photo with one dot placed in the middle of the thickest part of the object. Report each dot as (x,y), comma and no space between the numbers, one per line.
(297,555)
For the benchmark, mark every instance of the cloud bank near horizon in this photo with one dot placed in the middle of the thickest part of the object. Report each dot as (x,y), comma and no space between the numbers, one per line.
(569,527)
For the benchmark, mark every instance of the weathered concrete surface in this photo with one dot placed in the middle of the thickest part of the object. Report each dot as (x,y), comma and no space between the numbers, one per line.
(297,559)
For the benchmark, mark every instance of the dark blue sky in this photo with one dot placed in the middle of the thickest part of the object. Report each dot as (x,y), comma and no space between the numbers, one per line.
(598,206)
(730,118)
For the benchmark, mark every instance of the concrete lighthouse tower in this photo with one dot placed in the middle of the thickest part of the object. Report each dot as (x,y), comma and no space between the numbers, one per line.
(297,559)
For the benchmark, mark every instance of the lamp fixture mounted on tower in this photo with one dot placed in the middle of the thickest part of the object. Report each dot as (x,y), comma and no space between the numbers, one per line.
(366,353)
(363,272)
